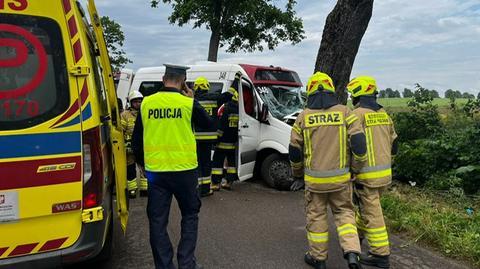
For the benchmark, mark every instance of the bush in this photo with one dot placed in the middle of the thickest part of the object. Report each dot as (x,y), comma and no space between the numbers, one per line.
(440,153)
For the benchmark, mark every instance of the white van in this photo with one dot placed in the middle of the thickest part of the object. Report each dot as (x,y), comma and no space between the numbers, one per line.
(263,138)
(123,87)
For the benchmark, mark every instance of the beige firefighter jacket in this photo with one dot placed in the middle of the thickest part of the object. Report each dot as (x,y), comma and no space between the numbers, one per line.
(323,136)
(380,134)
(127,119)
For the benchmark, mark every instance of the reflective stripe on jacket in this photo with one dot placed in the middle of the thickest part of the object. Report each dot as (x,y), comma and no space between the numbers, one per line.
(380,134)
(168,139)
(323,137)
(127,120)
(209,101)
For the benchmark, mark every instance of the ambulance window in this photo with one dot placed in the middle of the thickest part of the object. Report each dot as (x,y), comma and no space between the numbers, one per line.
(33,73)
(249,100)
(150,87)
(99,86)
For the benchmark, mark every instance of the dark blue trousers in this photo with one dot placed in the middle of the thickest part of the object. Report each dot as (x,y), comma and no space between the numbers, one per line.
(161,187)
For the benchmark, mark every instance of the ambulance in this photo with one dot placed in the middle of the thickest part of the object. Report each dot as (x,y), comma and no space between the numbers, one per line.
(266,113)
(62,152)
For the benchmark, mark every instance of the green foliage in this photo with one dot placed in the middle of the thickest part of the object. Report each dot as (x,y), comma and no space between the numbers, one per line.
(452,94)
(422,121)
(242,25)
(439,219)
(438,151)
(407,93)
(114,39)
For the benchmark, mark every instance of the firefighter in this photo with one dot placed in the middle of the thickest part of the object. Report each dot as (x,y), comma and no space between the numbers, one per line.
(376,174)
(165,147)
(206,138)
(227,140)
(321,140)
(128,118)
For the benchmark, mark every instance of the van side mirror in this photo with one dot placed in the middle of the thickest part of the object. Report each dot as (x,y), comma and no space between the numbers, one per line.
(264,113)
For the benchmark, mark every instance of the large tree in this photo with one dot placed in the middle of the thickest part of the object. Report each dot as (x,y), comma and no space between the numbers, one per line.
(343,32)
(114,39)
(245,25)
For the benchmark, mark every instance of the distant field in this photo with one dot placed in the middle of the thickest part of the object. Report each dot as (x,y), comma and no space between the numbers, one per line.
(402,102)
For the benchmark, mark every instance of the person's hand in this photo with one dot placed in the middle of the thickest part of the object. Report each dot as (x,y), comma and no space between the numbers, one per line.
(186,90)
(298,184)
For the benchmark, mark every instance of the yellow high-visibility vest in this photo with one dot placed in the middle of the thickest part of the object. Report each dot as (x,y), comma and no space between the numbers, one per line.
(168,138)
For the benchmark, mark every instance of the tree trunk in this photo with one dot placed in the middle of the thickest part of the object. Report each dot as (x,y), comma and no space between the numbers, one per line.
(343,32)
(214,44)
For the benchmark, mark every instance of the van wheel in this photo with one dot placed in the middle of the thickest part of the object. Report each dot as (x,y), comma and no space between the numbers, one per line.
(276,172)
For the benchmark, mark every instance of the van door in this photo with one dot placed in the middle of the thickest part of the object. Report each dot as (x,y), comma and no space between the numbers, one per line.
(116,132)
(40,142)
(249,130)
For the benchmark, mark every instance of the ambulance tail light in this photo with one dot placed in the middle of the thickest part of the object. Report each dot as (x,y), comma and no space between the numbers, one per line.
(92,168)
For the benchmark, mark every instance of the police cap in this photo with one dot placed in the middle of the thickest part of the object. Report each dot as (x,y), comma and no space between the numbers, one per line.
(176,69)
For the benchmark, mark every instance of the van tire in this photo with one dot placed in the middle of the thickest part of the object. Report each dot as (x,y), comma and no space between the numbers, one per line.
(276,172)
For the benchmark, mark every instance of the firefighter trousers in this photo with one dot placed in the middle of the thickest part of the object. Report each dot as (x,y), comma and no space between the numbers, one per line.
(204,157)
(218,160)
(317,221)
(370,221)
(132,184)
(132,177)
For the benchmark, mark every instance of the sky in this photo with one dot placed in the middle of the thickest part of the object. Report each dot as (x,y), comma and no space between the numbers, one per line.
(435,43)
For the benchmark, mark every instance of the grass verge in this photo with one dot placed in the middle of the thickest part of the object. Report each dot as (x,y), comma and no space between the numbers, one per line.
(440,220)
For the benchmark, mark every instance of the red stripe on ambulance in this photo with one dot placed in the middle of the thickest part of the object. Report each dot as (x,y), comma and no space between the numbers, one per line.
(23,249)
(24,174)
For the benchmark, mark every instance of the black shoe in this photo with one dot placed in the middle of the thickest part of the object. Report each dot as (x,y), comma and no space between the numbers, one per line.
(317,264)
(143,193)
(375,260)
(353,260)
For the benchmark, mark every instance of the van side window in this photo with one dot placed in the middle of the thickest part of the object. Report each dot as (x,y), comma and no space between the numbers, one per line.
(150,87)
(34,85)
(215,87)
(249,100)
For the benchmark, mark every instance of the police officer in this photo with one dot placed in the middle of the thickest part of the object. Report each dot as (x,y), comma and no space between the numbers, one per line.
(206,137)
(164,144)
(227,139)
(319,152)
(376,174)
(127,119)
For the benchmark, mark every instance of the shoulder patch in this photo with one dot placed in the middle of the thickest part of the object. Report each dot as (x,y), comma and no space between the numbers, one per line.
(379,118)
(324,119)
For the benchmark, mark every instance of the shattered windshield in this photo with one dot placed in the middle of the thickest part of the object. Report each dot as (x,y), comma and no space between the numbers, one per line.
(282,100)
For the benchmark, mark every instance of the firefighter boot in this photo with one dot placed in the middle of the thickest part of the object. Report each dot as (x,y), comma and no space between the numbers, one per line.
(353,260)
(205,189)
(215,187)
(143,187)
(317,264)
(375,260)
(227,185)
(132,188)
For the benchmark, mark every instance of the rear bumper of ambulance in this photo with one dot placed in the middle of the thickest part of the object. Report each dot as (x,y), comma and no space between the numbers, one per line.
(88,245)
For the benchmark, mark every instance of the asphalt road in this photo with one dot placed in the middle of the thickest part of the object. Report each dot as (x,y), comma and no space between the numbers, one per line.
(251,227)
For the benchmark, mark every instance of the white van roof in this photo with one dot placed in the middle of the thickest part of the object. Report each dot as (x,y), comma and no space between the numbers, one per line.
(205,66)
